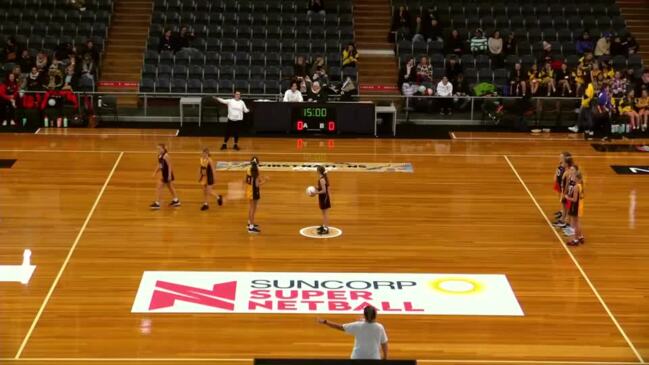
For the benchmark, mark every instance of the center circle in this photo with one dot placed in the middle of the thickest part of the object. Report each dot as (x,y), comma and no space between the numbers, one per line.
(312,232)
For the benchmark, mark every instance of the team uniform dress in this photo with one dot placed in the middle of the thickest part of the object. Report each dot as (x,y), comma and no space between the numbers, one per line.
(324,201)
(164,168)
(207,174)
(576,208)
(252,189)
(558,179)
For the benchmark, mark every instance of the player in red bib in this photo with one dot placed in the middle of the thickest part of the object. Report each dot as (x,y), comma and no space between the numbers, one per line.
(324,199)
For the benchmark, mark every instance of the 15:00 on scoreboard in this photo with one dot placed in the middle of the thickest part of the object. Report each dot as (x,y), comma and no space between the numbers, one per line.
(317,119)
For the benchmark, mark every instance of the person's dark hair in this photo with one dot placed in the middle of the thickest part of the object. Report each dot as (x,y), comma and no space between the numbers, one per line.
(294,83)
(369,313)
(164,147)
(569,161)
(254,167)
(566,154)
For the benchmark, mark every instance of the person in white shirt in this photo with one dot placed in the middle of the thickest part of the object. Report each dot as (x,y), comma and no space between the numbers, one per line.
(236,108)
(369,336)
(445,89)
(293,94)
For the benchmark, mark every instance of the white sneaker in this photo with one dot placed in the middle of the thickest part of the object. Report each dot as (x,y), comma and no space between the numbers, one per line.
(4,123)
(574,129)
(12,123)
(569,231)
(591,133)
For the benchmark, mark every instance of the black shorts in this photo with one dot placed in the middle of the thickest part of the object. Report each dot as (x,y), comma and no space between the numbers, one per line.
(573,208)
(324,202)
(165,178)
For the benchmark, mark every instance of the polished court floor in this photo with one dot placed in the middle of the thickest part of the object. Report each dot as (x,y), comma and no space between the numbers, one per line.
(479,203)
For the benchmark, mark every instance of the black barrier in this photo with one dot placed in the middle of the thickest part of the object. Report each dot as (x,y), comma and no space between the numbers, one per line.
(631,169)
(332,362)
(320,118)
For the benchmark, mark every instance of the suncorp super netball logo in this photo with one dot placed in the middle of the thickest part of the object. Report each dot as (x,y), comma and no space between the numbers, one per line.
(285,293)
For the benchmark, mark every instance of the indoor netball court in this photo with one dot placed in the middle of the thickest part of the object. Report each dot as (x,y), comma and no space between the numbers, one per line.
(451,239)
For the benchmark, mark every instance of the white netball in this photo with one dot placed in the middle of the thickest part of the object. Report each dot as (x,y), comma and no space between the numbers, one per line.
(311,191)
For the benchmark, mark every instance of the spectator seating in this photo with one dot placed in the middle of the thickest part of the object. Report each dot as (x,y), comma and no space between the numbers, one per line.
(44,24)
(247,44)
(558,23)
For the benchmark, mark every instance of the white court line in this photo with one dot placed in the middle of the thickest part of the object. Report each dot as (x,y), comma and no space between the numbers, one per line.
(521,139)
(198,359)
(37,131)
(574,260)
(453,135)
(222,155)
(109,134)
(67,258)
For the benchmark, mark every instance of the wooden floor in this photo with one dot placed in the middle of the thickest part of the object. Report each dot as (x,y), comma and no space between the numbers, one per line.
(472,205)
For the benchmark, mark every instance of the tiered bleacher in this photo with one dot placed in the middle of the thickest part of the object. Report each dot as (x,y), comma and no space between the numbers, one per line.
(557,23)
(248,45)
(48,26)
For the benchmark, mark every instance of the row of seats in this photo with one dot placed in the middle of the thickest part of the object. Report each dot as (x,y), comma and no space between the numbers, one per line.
(17,15)
(32,5)
(332,45)
(257,6)
(483,61)
(231,58)
(531,21)
(257,19)
(208,38)
(523,47)
(54,29)
(235,72)
(213,86)
(527,9)
(37,43)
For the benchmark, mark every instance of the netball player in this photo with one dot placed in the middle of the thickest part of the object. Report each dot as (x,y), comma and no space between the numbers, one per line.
(324,199)
(575,199)
(253,182)
(559,184)
(571,181)
(206,180)
(166,178)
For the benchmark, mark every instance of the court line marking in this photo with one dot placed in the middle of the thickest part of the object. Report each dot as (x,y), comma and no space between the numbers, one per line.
(152,152)
(67,258)
(527,138)
(452,135)
(574,260)
(438,361)
(109,134)
(37,131)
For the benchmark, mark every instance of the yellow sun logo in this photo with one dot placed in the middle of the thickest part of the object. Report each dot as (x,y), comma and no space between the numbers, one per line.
(456,286)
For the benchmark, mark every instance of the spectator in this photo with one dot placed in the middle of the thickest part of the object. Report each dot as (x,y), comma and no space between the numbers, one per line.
(585,116)
(321,75)
(642,103)
(563,79)
(299,68)
(517,81)
(10,50)
(642,83)
(89,48)
(185,38)
(445,90)
(71,78)
(293,94)
(435,32)
(318,63)
(419,33)
(8,100)
(478,44)
(534,79)
(453,68)
(401,22)
(627,107)
(617,48)
(26,61)
(461,91)
(316,7)
(455,43)
(167,42)
(350,56)
(603,46)
(630,44)
(408,77)
(425,72)
(509,46)
(369,335)
(584,43)
(619,85)
(42,61)
(63,53)
(582,74)
(547,79)
(78,4)
(88,68)
(33,82)
(55,99)
(316,94)
(495,44)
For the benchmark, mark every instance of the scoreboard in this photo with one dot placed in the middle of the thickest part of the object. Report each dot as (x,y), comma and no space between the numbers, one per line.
(307,118)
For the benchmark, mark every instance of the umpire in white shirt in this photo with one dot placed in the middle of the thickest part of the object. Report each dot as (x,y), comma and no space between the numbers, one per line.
(369,336)
(236,108)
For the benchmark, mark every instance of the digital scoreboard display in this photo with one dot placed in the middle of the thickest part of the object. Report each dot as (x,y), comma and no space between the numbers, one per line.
(314,119)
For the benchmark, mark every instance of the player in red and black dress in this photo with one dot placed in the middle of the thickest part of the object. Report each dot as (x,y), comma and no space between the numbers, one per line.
(575,207)
(166,178)
(206,180)
(559,185)
(253,182)
(324,199)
